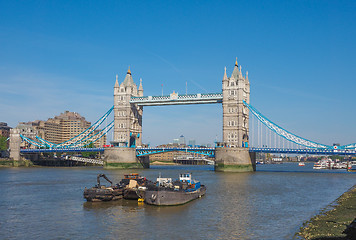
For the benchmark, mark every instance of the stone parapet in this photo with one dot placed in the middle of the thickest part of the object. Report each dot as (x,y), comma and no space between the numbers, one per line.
(234,160)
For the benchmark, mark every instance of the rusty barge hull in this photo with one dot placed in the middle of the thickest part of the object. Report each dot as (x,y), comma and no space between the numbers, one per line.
(171,197)
(102,195)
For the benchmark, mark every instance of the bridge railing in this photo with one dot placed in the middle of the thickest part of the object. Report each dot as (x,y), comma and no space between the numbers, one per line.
(304,151)
(197,96)
(43,150)
(149,151)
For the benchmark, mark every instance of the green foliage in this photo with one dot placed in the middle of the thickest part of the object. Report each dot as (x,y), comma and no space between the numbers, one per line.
(90,154)
(3,143)
(334,157)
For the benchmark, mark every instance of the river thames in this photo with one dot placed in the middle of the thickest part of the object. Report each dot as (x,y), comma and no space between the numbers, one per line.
(271,203)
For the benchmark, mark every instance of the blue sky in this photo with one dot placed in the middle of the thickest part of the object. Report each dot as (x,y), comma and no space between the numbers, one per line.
(64,55)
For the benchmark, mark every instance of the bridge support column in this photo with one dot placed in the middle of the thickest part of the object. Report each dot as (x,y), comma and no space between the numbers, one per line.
(124,158)
(15,141)
(229,159)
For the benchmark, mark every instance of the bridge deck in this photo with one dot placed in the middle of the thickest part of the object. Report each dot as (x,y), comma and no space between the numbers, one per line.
(175,99)
(204,151)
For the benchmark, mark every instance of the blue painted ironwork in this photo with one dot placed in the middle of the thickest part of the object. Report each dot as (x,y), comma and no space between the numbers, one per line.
(86,137)
(31,141)
(62,150)
(99,134)
(349,146)
(43,141)
(73,142)
(81,140)
(313,151)
(210,152)
(284,133)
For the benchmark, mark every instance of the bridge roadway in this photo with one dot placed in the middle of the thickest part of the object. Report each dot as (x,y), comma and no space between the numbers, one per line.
(210,152)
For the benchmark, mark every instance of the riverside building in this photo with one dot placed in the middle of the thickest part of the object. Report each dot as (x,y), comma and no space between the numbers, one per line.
(4,130)
(61,128)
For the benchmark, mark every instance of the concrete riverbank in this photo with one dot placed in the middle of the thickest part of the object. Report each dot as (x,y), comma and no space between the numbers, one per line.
(333,220)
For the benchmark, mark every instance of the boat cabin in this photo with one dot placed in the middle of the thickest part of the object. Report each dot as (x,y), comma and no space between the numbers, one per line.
(185,177)
(162,181)
(131,176)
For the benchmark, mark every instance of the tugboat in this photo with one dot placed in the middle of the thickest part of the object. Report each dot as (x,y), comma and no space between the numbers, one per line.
(166,192)
(100,192)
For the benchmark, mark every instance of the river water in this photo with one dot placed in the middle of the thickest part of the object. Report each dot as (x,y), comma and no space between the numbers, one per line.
(271,203)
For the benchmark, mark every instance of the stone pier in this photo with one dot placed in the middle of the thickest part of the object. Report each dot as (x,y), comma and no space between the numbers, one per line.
(229,159)
(15,141)
(124,157)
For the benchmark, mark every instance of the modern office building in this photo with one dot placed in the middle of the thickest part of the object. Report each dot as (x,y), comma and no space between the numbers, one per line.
(181,140)
(191,143)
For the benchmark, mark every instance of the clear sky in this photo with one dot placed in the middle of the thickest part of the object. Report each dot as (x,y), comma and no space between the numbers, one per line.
(64,55)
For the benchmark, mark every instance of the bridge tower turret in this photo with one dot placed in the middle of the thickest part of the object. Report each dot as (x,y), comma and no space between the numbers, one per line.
(235,114)
(128,117)
(127,127)
(234,155)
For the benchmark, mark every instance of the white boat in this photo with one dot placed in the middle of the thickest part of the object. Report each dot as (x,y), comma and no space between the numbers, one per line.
(192,160)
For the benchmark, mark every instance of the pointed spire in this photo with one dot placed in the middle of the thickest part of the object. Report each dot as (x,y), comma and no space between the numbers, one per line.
(117,82)
(240,68)
(246,75)
(128,81)
(140,89)
(235,73)
(225,76)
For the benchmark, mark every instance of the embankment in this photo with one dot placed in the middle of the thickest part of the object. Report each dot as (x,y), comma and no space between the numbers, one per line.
(7,162)
(330,224)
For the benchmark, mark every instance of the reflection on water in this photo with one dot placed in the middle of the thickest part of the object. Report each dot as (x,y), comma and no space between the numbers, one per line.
(272,203)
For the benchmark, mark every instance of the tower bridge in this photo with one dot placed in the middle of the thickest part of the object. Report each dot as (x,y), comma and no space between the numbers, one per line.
(129,103)
(210,152)
(241,138)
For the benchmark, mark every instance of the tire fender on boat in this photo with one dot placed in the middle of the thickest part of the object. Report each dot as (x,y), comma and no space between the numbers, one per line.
(154,196)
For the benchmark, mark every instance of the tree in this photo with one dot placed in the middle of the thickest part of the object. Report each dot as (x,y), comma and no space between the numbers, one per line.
(3,143)
(89,154)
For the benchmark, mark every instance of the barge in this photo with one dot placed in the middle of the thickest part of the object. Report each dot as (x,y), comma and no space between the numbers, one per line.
(127,188)
(133,184)
(166,192)
(100,193)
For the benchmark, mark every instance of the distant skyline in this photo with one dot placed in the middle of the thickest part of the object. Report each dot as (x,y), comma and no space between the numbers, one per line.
(64,55)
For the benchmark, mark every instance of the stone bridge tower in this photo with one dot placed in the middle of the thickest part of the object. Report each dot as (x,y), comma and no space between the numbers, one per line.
(128,117)
(235,114)
(233,155)
(127,127)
